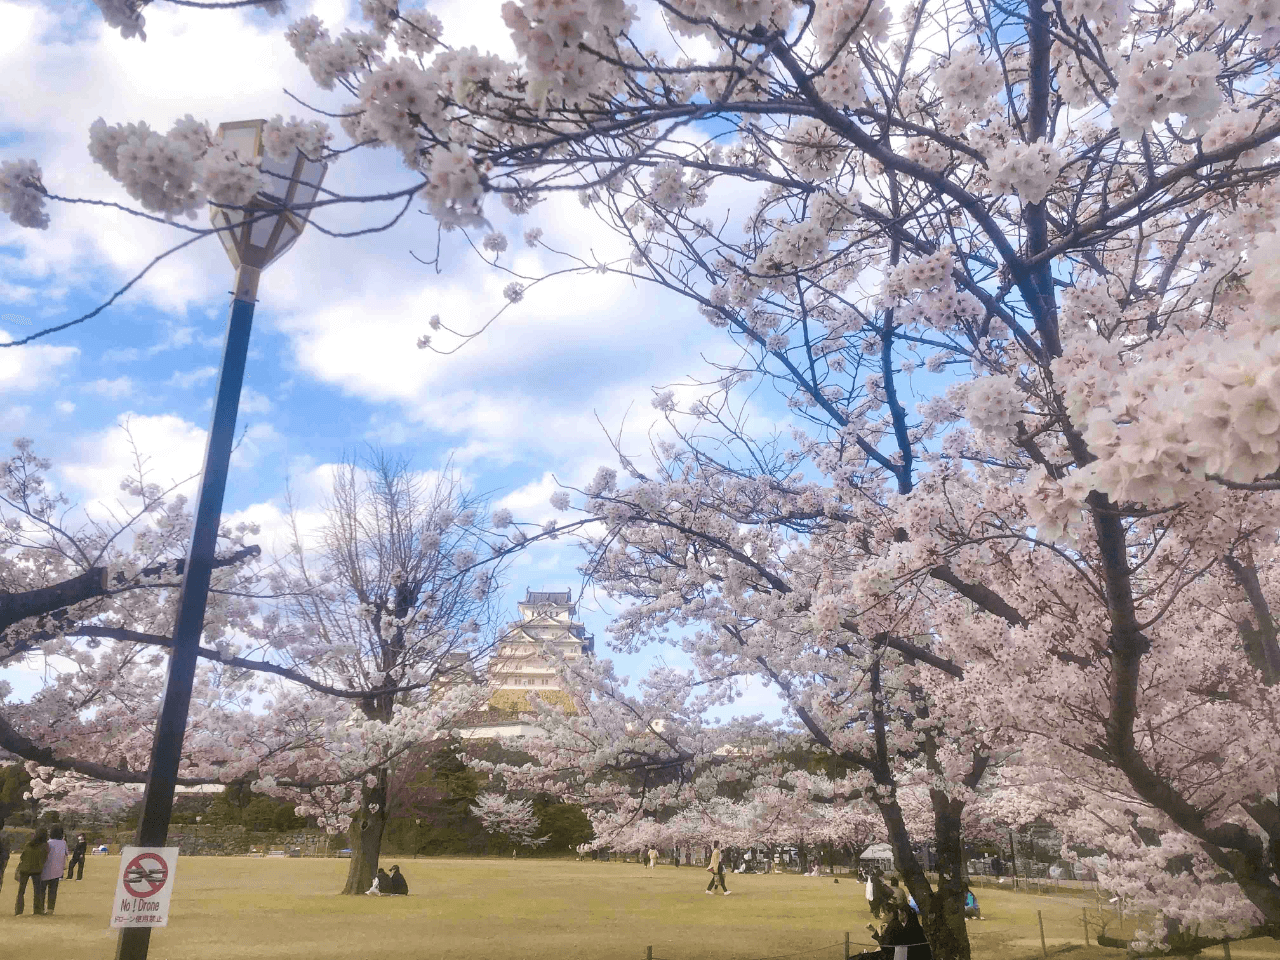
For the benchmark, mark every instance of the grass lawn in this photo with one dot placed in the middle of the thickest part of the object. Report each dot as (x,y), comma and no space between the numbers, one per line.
(239,908)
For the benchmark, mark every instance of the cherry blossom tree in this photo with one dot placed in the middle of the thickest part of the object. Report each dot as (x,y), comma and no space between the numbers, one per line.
(513,818)
(319,670)
(398,604)
(1013,271)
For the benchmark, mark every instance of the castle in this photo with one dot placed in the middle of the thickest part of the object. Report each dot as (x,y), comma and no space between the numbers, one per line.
(546,624)
(523,665)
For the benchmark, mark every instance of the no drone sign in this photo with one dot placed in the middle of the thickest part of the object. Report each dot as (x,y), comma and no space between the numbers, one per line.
(143,887)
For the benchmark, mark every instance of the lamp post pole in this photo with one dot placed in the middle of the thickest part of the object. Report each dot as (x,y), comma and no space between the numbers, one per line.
(254,236)
(166,748)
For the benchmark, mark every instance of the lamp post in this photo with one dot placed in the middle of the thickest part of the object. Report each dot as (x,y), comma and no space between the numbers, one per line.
(254,238)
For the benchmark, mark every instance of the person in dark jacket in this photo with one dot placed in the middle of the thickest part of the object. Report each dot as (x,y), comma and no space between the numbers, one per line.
(381,884)
(396,885)
(881,894)
(30,866)
(901,932)
(77,858)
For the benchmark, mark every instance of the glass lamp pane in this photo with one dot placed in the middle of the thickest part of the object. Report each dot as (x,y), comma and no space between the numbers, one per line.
(276,176)
(241,137)
(260,232)
(281,251)
(228,242)
(288,233)
(309,188)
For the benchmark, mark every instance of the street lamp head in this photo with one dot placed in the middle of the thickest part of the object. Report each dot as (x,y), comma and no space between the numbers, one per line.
(271,222)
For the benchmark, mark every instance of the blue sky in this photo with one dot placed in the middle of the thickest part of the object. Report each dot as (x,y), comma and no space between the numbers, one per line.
(333,362)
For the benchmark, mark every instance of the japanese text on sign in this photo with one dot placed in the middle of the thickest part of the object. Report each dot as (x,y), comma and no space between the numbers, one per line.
(143,887)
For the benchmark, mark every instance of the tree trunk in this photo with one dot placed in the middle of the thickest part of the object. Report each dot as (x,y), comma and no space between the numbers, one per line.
(943,917)
(941,911)
(365,834)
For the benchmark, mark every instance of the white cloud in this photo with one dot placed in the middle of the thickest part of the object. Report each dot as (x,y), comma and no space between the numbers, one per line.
(111,389)
(31,367)
(251,401)
(13,419)
(187,380)
(65,407)
(171,450)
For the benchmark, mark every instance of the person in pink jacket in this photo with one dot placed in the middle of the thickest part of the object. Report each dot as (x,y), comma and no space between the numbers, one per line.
(53,864)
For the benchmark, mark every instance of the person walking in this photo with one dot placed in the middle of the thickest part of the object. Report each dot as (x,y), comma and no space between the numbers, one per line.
(30,866)
(716,869)
(53,864)
(653,858)
(77,857)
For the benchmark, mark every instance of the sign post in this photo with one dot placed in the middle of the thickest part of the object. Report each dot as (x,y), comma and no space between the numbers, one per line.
(143,887)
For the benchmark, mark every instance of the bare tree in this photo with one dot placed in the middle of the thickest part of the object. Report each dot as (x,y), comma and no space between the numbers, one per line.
(395,603)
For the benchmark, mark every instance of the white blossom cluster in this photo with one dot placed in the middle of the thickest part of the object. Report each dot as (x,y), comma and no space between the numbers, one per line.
(1156,82)
(809,239)
(1262,16)
(929,153)
(331,60)
(177,172)
(842,24)
(992,405)
(1095,12)
(21,196)
(123,15)
(1027,169)
(1157,439)
(389,94)
(452,192)
(281,139)
(1232,127)
(667,186)
(967,81)
(696,17)
(548,34)
(417,32)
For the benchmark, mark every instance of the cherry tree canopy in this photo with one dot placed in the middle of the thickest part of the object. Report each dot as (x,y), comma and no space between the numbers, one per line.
(318,671)
(1013,270)
(1054,225)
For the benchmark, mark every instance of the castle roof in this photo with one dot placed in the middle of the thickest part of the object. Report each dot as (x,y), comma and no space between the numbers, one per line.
(548,596)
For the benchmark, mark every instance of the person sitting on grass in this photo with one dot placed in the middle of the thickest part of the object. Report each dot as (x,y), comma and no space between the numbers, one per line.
(901,937)
(396,885)
(971,909)
(381,885)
